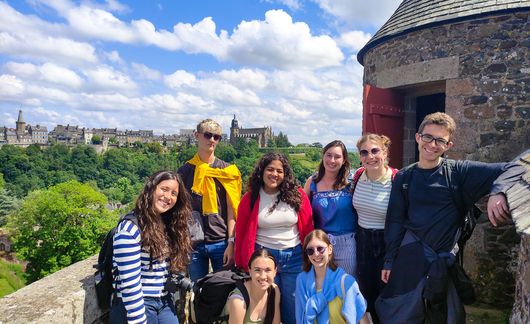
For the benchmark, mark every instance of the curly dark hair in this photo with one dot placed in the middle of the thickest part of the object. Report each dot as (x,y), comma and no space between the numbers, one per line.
(342,176)
(288,188)
(165,235)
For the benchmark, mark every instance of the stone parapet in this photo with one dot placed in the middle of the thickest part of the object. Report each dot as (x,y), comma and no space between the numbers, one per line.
(67,296)
(521,307)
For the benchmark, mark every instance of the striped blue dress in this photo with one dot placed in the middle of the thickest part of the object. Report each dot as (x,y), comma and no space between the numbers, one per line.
(137,277)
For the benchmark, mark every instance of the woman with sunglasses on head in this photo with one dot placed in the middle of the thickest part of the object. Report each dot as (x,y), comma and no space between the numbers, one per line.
(274,214)
(371,184)
(263,293)
(325,293)
(330,197)
(147,251)
(215,189)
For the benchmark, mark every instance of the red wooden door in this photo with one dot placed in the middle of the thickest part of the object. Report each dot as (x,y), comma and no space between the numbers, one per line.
(383,113)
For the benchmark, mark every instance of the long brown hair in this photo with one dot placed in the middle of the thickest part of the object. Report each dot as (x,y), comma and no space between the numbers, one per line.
(288,188)
(322,236)
(165,235)
(342,176)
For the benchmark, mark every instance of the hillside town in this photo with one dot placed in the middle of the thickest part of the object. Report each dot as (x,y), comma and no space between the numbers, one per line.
(24,135)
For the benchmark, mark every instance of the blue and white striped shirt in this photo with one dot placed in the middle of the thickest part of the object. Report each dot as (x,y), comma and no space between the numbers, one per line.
(137,277)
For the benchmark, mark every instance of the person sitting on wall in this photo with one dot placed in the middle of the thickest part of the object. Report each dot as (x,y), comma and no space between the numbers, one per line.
(424,219)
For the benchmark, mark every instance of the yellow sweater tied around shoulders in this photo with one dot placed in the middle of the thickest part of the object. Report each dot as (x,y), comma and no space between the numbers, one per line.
(204,185)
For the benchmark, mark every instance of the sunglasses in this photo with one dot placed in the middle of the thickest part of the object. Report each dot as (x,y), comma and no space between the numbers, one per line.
(208,135)
(320,249)
(375,151)
(427,138)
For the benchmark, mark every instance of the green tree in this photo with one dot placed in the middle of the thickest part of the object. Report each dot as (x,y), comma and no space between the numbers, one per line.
(282,140)
(96,140)
(2,181)
(59,226)
(84,161)
(8,204)
(225,152)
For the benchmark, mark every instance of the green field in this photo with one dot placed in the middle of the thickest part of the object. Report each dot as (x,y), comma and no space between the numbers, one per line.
(11,277)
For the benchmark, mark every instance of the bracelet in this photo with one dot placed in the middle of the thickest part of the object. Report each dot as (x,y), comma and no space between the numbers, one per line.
(231,239)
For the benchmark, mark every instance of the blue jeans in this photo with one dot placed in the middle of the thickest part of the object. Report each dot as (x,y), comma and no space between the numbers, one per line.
(289,266)
(201,256)
(158,310)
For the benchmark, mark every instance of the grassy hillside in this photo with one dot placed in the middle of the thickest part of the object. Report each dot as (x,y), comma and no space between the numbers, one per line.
(11,277)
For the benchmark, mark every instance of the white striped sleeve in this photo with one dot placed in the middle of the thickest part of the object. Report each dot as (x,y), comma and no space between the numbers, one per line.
(127,248)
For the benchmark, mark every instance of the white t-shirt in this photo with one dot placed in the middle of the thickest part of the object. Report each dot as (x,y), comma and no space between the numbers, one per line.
(277,230)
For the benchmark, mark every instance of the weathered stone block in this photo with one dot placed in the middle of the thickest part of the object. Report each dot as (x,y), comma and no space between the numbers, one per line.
(460,87)
(475,100)
(504,125)
(504,111)
(479,112)
(523,112)
(496,68)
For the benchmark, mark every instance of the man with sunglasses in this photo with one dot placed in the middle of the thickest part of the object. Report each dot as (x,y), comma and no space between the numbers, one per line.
(215,189)
(428,203)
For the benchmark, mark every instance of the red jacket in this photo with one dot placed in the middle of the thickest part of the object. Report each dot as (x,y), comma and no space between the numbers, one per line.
(247,227)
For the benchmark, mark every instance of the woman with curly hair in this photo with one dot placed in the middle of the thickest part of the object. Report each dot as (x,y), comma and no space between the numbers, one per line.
(275,214)
(330,195)
(146,252)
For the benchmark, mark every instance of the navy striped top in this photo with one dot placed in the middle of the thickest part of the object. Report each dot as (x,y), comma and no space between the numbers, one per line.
(137,277)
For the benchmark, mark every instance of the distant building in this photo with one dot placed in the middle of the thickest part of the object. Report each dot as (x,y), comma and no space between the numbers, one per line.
(23,135)
(261,135)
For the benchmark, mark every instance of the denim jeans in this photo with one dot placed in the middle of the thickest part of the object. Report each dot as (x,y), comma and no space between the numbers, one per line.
(157,310)
(289,266)
(201,256)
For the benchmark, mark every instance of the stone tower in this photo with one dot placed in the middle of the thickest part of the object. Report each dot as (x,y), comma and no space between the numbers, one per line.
(21,124)
(234,130)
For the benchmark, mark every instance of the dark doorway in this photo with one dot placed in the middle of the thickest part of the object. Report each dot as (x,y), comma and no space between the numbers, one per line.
(427,105)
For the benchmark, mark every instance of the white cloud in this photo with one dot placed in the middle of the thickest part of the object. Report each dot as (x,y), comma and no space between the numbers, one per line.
(246,78)
(23,70)
(179,78)
(146,73)
(10,86)
(354,40)
(31,37)
(360,12)
(60,75)
(106,78)
(280,43)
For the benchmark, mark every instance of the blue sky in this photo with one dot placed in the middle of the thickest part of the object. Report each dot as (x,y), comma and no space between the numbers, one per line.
(166,65)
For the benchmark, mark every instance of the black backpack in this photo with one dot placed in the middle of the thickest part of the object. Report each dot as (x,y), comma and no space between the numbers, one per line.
(104,275)
(469,214)
(211,293)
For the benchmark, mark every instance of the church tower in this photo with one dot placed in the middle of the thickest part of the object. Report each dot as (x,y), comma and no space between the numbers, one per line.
(234,130)
(21,124)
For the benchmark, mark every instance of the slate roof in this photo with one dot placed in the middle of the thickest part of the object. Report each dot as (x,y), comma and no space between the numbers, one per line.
(412,15)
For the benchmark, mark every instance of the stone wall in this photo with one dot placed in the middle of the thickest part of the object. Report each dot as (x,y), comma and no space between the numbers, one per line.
(67,296)
(486,66)
(521,308)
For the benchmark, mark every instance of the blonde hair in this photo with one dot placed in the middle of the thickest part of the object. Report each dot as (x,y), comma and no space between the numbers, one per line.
(381,140)
(440,119)
(208,124)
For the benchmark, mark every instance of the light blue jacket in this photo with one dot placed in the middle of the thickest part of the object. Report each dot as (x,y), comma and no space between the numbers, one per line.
(311,305)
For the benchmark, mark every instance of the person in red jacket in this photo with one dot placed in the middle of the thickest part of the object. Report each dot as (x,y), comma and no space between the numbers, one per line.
(275,214)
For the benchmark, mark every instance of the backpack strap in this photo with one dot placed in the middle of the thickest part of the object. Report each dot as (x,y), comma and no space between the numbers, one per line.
(356,177)
(131,217)
(407,176)
(240,284)
(269,315)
